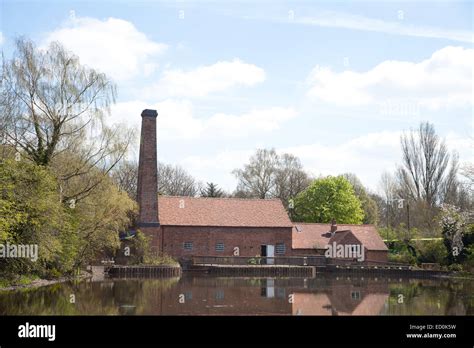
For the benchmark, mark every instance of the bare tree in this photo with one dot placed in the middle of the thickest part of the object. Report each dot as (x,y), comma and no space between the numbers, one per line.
(175,181)
(369,206)
(425,173)
(125,176)
(269,175)
(290,178)
(389,193)
(468,173)
(258,176)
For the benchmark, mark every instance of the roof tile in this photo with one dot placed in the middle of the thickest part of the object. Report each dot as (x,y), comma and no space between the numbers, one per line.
(230,212)
(317,235)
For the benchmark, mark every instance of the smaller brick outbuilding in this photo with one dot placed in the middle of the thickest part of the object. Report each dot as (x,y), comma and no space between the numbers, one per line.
(312,239)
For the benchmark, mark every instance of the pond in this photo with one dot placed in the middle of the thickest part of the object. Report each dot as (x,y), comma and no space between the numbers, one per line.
(206,295)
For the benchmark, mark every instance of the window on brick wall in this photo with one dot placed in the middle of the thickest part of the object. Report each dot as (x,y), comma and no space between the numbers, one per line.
(188,245)
(219,294)
(219,246)
(355,295)
(188,295)
(280,249)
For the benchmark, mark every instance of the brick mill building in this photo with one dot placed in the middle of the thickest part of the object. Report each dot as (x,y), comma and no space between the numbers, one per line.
(187,226)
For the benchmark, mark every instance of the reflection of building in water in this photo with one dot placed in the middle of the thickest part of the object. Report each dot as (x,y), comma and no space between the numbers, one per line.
(265,296)
(226,296)
(343,298)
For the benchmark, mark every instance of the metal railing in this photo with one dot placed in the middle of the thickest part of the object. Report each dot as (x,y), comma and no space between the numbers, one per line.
(316,260)
(371,263)
(260,260)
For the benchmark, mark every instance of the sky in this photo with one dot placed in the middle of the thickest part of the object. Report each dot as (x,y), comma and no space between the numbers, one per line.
(334,83)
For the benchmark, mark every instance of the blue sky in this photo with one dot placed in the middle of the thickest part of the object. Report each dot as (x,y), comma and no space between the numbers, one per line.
(334,83)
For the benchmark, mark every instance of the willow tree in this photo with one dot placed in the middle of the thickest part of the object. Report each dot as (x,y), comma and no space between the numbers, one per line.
(52,107)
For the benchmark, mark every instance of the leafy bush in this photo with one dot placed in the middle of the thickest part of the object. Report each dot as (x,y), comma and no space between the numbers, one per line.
(402,257)
(141,253)
(455,267)
(254,261)
(431,251)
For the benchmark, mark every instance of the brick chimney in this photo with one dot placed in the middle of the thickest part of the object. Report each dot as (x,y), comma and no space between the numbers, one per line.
(147,188)
(333,226)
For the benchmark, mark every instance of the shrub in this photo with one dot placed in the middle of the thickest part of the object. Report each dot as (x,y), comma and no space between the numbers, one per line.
(455,267)
(431,251)
(402,257)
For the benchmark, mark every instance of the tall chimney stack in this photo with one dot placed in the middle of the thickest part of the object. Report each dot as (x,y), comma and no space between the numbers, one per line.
(147,188)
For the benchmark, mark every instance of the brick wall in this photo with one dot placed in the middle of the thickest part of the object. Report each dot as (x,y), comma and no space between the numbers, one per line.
(248,240)
(204,240)
(376,255)
(371,255)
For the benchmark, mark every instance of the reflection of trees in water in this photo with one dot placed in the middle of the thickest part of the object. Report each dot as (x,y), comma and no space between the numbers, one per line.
(55,300)
(323,295)
(429,296)
(136,296)
(96,298)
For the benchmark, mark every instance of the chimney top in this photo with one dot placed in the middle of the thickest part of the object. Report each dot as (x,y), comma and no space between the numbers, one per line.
(333,226)
(149,113)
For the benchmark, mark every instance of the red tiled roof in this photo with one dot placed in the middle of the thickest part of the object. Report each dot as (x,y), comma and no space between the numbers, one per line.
(230,212)
(317,235)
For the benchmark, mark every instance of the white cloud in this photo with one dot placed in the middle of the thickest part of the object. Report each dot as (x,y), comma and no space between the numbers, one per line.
(113,46)
(207,79)
(367,156)
(444,79)
(257,120)
(1,38)
(177,119)
(355,22)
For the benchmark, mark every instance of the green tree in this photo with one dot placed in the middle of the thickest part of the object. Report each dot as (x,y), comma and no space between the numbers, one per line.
(30,213)
(100,217)
(369,206)
(329,198)
(211,190)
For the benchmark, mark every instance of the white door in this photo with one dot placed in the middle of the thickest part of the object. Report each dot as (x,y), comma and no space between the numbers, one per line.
(270,254)
(270,288)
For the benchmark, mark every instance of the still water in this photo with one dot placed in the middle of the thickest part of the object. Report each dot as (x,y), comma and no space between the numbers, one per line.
(205,295)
